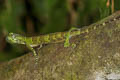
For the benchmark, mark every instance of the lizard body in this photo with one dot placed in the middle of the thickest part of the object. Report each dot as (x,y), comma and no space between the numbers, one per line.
(42,39)
(57,37)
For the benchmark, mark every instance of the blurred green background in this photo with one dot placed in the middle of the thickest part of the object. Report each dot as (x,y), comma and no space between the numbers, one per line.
(35,17)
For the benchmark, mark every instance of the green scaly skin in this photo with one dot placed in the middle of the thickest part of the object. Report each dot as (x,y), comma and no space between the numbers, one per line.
(57,37)
(51,38)
(31,42)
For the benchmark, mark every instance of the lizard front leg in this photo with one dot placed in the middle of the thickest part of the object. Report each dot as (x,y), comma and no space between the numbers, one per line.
(34,52)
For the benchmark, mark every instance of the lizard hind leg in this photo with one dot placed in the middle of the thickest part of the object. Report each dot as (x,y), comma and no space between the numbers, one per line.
(68,36)
(67,43)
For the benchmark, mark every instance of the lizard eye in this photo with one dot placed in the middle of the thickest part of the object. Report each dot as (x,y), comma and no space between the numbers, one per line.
(14,38)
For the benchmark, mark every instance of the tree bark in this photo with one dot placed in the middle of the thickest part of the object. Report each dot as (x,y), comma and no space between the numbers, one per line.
(96,56)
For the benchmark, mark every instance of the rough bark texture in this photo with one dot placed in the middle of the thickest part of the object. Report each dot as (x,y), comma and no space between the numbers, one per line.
(95,57)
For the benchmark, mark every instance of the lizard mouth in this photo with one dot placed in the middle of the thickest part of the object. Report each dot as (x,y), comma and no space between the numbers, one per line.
(15,38)
(10,39)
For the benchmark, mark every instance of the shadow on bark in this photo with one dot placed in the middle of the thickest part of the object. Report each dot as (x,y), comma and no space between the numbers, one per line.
(95,57)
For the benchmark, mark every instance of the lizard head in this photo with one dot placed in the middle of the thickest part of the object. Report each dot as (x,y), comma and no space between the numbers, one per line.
(15,38)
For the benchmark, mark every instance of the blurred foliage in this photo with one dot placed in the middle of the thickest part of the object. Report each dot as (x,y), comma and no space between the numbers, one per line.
(35,17)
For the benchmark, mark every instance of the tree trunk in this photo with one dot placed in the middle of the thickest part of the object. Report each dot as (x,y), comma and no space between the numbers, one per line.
(96,56)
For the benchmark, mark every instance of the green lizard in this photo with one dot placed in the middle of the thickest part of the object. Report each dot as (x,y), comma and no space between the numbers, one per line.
(32,42)
(57,37)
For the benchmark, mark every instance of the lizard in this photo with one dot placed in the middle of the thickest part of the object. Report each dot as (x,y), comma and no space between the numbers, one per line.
(57,37)
(35,41)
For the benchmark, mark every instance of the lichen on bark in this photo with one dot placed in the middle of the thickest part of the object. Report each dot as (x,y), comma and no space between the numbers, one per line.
(96,55)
